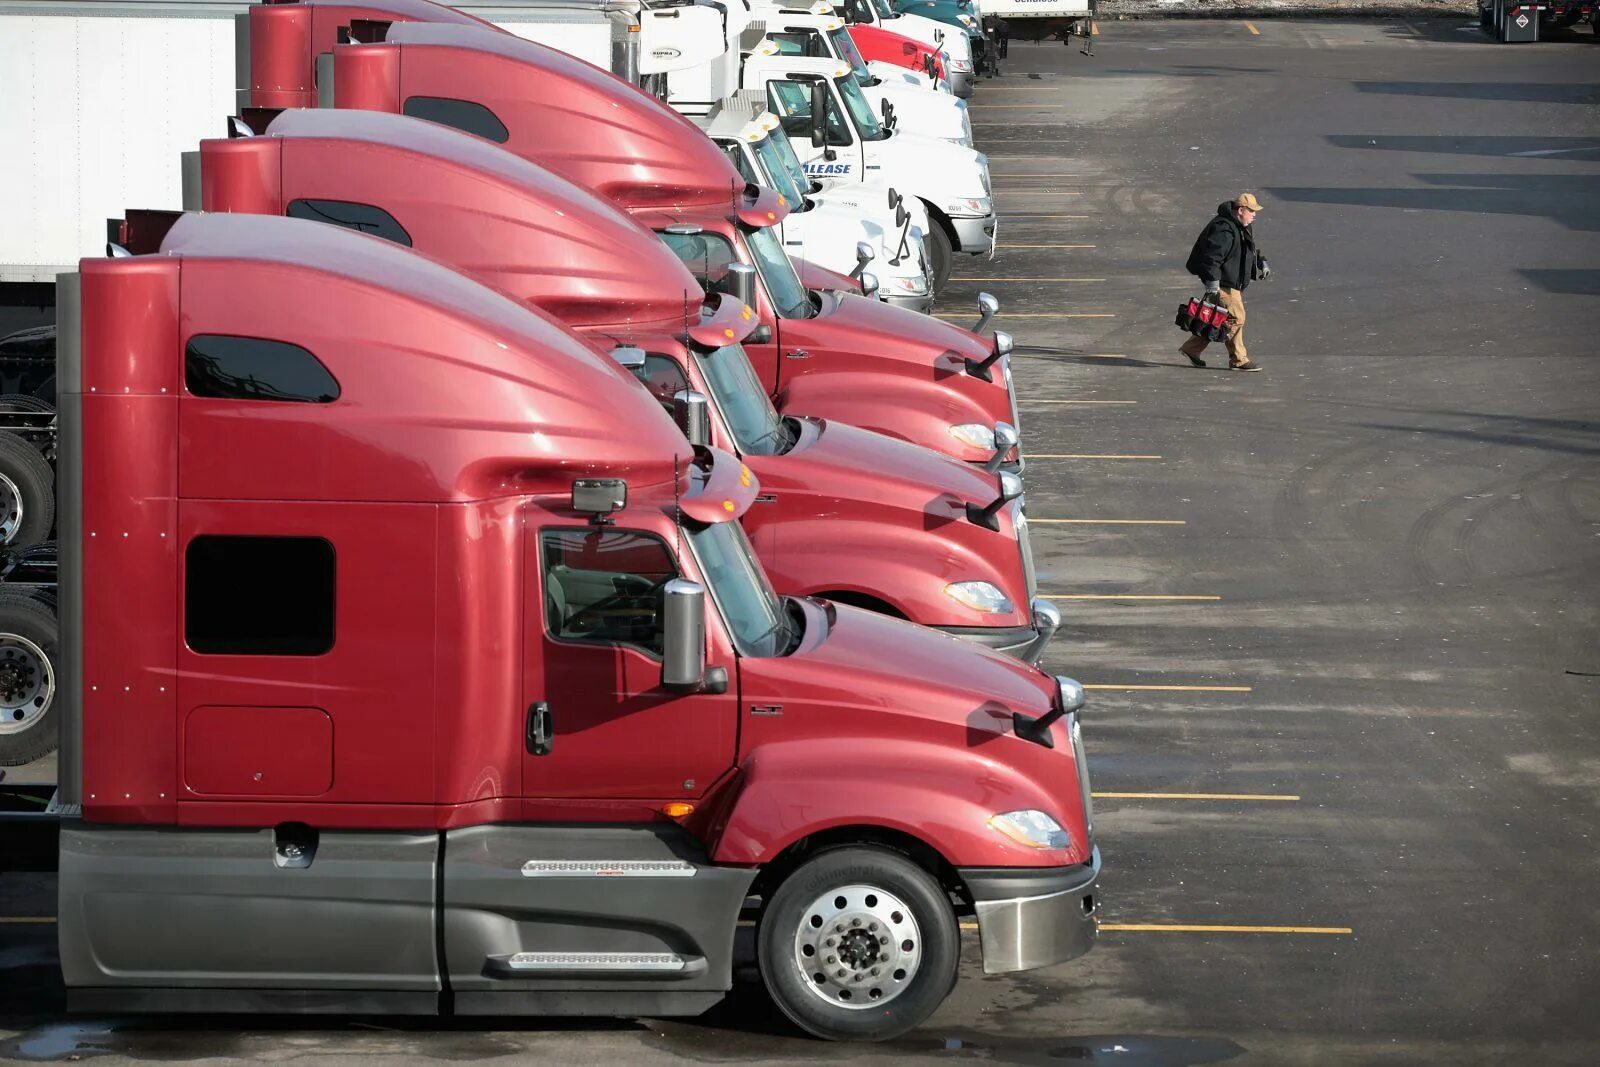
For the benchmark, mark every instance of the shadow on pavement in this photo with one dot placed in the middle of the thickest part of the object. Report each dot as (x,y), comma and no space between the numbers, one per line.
(1514,92)
(1583,149)
(1568,281)
(1566,198)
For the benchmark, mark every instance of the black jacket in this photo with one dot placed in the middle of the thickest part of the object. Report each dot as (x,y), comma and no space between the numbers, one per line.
(1224,251)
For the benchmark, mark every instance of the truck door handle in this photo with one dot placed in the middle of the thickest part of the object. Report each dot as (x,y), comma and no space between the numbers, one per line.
(541,732)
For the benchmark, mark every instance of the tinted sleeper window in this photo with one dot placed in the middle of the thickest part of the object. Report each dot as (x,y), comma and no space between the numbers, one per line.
(465,115)
(363,218)
(251,368)
(259,596)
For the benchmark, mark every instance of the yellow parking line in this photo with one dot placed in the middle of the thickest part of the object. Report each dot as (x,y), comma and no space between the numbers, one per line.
(959,278)
(1070,355)
(1186,928)
(1198,796)
(1129,596)
(1082,455)
(1252,28)
(1031,401)
(27,919)
(1172,688)
(1108,522)
(1008,247)
(1039,315)
(1037,107)
(1034,215)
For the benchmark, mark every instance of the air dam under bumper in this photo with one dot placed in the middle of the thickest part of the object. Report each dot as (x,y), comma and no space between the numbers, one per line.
(962,83)
(1034,917)
(975,234)
(920,304)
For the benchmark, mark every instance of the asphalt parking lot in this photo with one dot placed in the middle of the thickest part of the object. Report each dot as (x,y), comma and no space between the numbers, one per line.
(1339,618)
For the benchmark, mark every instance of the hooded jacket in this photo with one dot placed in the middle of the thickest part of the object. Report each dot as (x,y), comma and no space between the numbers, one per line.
(1224,251)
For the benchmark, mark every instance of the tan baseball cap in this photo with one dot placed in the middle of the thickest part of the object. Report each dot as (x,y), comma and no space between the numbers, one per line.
(1248,201)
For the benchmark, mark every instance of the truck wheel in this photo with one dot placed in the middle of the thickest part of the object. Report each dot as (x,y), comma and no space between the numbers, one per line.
(941,253)
(858,944)
(27,679)
(27,493)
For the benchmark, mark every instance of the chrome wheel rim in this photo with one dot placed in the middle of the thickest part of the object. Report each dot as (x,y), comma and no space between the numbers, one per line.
(10,509)
(27,683)
(858,947)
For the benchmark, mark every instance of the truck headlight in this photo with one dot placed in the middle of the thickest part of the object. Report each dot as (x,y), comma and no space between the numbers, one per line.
(973,205)
(917,286)
(979,596)
(1031,829)
(961,66)
(974,435)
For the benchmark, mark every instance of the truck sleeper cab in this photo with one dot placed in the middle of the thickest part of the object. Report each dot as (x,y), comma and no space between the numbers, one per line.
(957,49)
(523,847)
(937,385)
(889,57)
(845,513)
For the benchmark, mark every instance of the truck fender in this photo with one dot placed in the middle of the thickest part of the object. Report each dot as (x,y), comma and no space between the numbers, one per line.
(941,795)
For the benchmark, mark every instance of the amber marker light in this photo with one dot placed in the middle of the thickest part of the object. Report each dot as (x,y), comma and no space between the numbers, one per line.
(677,809)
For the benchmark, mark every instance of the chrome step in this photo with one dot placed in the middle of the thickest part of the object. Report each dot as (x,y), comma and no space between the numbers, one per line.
(608,869)
(598,962)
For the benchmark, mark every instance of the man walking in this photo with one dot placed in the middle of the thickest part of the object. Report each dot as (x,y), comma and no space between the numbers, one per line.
(1225,258)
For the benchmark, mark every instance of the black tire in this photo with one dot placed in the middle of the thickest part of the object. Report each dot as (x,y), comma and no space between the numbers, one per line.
(29,644)
(27,402)
(926,923)
(27,493)
(941,252)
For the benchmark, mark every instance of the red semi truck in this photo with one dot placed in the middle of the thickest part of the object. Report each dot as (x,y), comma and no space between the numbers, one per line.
(423,707)
(932,383)
(844,513)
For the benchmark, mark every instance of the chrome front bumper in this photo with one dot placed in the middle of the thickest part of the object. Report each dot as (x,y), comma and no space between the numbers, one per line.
(923,304)
(962,84)
(975,234)
(1029,918)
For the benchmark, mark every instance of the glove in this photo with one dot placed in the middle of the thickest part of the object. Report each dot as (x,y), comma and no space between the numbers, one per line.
(1213,287)
(1263,272)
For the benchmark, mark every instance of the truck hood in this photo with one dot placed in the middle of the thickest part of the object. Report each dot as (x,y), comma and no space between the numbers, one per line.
(894,333)
(913,680)
(924,111)
(849,463)
(939,169)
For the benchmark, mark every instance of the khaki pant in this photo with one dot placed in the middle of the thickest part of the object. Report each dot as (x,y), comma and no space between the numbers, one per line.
(1233,300)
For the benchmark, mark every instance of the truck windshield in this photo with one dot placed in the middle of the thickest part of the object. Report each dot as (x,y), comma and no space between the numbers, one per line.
(860,109)
(791,162)
(778,177)
(755,616)
(884,9)
(847,51)
(756,427)
(778,274)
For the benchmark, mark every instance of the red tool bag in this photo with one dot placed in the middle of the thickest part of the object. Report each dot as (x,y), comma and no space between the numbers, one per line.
(1203,318)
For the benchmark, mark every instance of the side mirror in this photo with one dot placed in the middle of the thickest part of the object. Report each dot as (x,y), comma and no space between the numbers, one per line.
(1005,439)
(864,256)
(894,198)
(760,335)
(683,638)
(741,283)
(630,358)
(819,113)
(869,283)
(692,412)
(1046,621)
(987,516)
(988,307)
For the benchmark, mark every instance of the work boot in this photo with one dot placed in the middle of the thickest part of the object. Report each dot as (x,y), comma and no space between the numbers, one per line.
(1196,360)
(1247,365)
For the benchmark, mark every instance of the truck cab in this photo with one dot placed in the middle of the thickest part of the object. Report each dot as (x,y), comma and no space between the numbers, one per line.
(882,14)
(583,778)
(844,513)
(922,111)
(936,384)
(840,138)
(817,230)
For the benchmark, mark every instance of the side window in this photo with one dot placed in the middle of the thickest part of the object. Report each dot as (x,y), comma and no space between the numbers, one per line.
(799,43)
(225,367)
(791,102)
(741,163)
(664,378)
(605,586)
(465,115)
(258,596)
(364,218)
(707,255)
